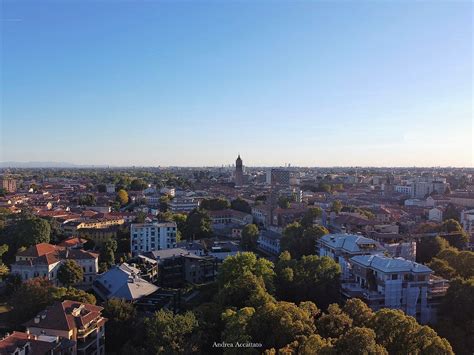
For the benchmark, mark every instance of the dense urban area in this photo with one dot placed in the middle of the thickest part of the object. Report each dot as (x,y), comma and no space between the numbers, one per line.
(237,260)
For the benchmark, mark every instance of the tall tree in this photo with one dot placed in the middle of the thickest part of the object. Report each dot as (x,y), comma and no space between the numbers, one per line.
(70,273)
(121,322)
(241,205)
(250,235)
(310,215)
(198,225)
(214,204)
(122,197)
(171,333)
(138,185)
(299,241)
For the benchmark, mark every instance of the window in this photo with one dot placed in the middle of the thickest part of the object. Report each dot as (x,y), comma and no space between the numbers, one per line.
(394,277)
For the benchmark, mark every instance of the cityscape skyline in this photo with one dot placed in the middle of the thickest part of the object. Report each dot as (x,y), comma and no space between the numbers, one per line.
(183,84)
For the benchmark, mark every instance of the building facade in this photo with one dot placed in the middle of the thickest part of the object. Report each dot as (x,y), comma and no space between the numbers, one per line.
(386,282)
(76,321)
(146,237)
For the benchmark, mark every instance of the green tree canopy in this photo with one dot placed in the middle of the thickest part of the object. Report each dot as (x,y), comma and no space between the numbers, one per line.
(70,273)
(138,185)
(121,322)
(236,265)
(300,241)
(309,279)
(214,204)
(310,215)
(122,197)
(171,333)
(250,235)
(241,205)
(198,225)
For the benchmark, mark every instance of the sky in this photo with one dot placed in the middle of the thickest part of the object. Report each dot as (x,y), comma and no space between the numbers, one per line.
(193,83)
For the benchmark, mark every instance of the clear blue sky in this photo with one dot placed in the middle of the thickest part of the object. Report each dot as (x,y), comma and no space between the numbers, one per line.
(316,83)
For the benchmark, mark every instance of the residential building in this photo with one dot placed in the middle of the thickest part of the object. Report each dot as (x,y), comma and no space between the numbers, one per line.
(44,260)
(404,189)
(177,266)
(20,343)
(435,214)
(180,205)
(269,242)
(76,321)
(386,282)
(462,199)
(341,247)
(280,177)
(229,216)
(467,221)
(8,184)
(110,188)
(147,237)
(123,281)
(71,227)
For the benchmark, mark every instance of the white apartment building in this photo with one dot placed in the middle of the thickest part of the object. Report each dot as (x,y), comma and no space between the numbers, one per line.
(269,241)
(341,247)
(386,282)
(147,237)
(183,204)
(467,221)
(404,189)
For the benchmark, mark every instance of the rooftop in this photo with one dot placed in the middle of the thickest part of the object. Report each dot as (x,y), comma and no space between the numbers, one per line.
(389,265)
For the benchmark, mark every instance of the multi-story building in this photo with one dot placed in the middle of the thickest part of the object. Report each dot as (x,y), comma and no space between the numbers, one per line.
(404,189)
(229,216)
(76,321)
(269,241)
(71,227)
(467,222)
(110,188)
(177,266)
(386,282)
(178,205)
(147,237)
(341,247)
(19,343)
(8,184)
(124,282)
(462,199)
(280,177)
(44,260)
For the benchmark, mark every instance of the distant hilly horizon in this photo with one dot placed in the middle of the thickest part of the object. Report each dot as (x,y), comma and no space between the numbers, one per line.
(44,164)
(53,164)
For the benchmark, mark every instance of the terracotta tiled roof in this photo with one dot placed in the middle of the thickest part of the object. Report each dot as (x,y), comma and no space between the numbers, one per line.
(18,339)
(66,315)
(71,242)
(38,250)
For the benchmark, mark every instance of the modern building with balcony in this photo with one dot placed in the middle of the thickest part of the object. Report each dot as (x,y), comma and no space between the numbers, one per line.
(76,321)
(146,237)
(386,282)
(341,247)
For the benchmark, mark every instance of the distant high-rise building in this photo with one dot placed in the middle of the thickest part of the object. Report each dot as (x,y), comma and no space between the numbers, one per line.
(239,172)
(8,184)
(280,177)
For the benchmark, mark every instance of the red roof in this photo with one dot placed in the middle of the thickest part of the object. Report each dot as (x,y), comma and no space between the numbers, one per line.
(16,340)
(38,250)
(66,315)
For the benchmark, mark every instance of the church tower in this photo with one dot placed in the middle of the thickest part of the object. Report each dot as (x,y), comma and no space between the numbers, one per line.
(239,172)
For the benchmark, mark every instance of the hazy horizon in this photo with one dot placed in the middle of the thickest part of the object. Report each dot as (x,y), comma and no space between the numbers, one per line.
(195,83)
